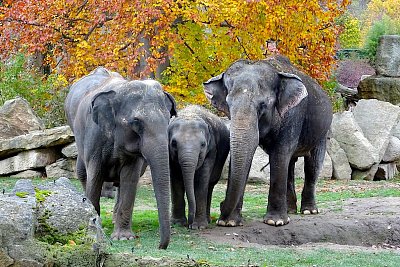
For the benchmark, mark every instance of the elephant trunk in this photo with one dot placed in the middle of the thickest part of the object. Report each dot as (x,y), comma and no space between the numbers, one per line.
(188,162)
(243,143)
(157,156)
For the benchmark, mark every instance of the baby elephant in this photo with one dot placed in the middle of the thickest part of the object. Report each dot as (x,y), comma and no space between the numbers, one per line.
(198,145)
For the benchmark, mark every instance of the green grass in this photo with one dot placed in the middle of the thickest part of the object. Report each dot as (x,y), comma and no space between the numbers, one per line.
(189,244)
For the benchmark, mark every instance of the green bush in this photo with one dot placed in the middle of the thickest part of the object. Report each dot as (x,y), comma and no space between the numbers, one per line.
(45,94)
(351,35)
(381,27)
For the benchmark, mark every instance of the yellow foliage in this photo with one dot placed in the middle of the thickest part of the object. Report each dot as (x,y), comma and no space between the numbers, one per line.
(199,38)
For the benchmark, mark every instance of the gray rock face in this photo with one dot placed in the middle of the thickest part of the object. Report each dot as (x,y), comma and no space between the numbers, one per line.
(61,168)
(257,171)
(70,151)
(376,119)
(28,160)
(37,139)
(65,209)
(388,56)
(341,166)
(17,118)
(325,173)
(386,171)
(360,153)
(392,152)
(381,88)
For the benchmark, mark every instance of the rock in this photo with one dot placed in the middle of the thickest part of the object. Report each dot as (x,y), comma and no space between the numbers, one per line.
(381,88)
(360,153)
(392,152)
(386,171)
(326,172)
(61,168)
(37,139)
(376,119)
(64,208)
(70,151)
(28,160)
(388,56)
(5,260)
(17,218)
(24,186)
(17,118)
(259,172)
(340,163)
(366,174)
(28,174)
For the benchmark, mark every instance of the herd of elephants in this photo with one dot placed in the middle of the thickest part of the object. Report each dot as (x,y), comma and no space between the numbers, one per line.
(121,126)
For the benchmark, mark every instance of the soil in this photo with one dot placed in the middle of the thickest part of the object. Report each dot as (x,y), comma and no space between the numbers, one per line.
(367,222)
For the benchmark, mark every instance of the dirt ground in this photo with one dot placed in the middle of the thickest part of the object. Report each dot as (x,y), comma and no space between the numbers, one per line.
(357,223)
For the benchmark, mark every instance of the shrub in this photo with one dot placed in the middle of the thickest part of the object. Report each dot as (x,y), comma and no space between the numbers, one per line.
(351,35)
(45,94)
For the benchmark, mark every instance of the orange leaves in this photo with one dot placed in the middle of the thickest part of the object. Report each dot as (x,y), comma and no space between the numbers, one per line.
(199,38)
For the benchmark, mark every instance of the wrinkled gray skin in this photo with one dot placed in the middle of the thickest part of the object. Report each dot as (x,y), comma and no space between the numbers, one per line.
(274,105)
(120,126)
(198,145)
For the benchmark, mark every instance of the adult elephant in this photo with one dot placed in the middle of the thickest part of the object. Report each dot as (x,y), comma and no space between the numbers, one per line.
(120,126)
(274,105)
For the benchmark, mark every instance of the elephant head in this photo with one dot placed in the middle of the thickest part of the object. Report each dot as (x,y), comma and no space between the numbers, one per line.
(189,141)
(257,98)
(135,119)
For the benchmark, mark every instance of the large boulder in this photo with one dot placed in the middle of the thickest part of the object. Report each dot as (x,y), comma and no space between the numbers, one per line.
(17,118)
(381,88)
(392,152)
(70,151)
(37,139)
(325,173)
(376,120)
(388,56)
(52,212)
(27,160)
(360,152)
(340,163)
(61,168)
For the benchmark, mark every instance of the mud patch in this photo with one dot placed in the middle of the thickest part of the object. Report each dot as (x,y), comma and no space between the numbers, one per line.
(356,222)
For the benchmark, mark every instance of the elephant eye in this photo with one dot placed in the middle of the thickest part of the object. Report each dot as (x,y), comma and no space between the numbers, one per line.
(203,144)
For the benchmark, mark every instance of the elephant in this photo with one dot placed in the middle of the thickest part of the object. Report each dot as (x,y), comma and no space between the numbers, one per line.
(274,105)
(199,146)
(120,126)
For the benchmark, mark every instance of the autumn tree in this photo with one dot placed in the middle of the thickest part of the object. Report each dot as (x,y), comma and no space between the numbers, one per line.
(195,39)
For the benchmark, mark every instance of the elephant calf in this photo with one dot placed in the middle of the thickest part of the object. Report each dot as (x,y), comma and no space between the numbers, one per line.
(198,145)
(120,126)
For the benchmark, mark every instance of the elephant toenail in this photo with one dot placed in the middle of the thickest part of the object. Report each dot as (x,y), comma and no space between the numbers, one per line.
(306,212)
(231,223)
(271,222)
(314,211)
(221,223)
(279,222)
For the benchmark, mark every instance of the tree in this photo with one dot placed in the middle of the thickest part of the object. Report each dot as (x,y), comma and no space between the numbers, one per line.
(199,38)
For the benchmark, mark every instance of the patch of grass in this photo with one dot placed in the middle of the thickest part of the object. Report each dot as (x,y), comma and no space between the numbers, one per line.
(189,244)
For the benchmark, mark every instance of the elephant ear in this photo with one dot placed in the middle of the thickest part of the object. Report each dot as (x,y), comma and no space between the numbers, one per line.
(171,104)
(103,113)
(216,93)
(291,92)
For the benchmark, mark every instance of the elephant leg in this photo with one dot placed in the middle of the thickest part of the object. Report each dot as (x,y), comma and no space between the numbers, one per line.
(235,216)
(116,205)
(291,198)
(94,183)
(312,167)
(177,197)
(81,172)
(202,181)
(277,202)
(129,177)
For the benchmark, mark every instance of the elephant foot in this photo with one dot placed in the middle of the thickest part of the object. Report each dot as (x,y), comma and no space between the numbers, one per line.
(276,220)
(310,211)
(198,225)
(230,222)
(292,210)
(122,234)
(180,221)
